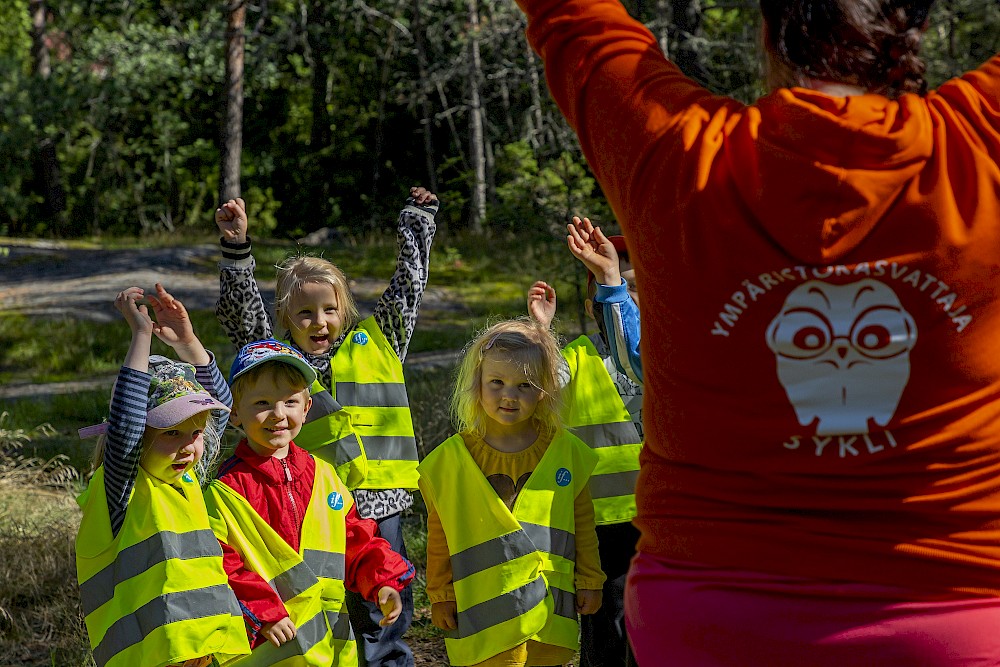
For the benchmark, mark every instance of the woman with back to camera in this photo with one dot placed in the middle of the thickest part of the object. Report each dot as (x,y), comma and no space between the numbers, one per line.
(819,274)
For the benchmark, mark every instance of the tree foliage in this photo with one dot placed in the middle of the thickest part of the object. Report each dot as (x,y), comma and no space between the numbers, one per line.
(347,103)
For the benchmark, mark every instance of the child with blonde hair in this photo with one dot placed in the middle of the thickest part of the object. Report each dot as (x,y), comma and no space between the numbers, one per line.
(511,547)
(152,583)
(359,363)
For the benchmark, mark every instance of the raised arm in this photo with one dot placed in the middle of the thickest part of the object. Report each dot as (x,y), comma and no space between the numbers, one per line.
(610,79)
(127,417)
(396,310)
(240,309)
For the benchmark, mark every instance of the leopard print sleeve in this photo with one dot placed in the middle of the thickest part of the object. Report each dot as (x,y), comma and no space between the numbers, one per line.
(396,310)
(240,309)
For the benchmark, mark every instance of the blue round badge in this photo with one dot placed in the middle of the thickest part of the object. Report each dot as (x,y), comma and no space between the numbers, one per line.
(335,501)
(360,338)
(563,477)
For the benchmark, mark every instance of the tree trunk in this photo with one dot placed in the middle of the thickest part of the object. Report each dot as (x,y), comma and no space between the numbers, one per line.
(426,114)
(232,128)
(686,18)
(46,158)
(39,50)
(536,120)
(319,135)
(476,131)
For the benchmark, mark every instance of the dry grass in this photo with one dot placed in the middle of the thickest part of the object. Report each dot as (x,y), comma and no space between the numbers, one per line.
(40,618)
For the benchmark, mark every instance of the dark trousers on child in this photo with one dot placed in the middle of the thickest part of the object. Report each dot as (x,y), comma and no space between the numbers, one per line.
(378,646)
(603,642)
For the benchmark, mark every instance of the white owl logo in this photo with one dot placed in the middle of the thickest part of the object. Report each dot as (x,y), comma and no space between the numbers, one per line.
(843,354)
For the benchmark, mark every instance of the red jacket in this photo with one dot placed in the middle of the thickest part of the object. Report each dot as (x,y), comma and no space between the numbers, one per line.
(279,491)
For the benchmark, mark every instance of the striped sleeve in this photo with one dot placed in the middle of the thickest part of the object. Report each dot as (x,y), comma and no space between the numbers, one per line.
(210,377)
(621,316)
(123,443)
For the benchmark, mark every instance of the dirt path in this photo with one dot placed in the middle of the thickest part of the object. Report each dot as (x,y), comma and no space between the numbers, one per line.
(49,278)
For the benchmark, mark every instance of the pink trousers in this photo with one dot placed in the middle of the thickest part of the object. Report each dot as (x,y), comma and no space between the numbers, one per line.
(685,615)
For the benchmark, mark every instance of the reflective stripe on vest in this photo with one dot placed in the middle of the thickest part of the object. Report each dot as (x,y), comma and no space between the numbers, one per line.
(594,411)
(138,558)
(499,559)
(156,590)
(309,583)
(329,434)
(161,611)
(368,381)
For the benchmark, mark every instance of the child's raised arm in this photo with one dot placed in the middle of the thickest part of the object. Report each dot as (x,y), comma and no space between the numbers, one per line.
(127,414)
(240,309)
(396,310)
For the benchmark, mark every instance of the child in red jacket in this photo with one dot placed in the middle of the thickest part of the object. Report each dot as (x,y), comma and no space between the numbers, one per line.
(271,488)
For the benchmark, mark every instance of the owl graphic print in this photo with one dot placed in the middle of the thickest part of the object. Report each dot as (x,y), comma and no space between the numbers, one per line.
(843,354)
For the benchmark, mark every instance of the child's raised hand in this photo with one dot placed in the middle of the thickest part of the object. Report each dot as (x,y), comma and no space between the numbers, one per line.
(589,245)
(422,195)
(542,303)
(136,315)
(279,632)
(444,615)
(231,219)
(173,326)
(588,601)
(391,605)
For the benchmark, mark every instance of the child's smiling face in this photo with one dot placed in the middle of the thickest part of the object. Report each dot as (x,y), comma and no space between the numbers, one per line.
(271,413)
(314,317)
(174,451)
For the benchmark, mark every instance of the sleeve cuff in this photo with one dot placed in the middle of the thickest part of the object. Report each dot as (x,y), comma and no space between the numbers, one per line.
(589,584)
(611,293)
(429,209)
(445,595)
(235,254)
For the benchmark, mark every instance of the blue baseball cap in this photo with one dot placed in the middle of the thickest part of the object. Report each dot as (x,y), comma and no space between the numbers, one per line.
(270,349)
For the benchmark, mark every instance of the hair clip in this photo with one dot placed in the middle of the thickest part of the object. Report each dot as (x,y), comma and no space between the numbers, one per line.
(492,340)
(91,431)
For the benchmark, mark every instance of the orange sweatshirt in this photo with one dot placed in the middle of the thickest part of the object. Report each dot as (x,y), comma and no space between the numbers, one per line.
(820,283)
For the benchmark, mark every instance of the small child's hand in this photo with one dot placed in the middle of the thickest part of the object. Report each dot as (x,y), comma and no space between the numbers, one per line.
(137,316)
(444,615)
(542,303)
(231,219)
(422,195)
(589,245)
(173,326)
(279,632)
(588,601)
(391,605)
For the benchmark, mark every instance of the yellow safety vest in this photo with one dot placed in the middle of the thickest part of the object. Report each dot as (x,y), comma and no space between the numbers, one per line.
(513,572)
(333,438)
(367,380)
(594,411)
(155,593)
(310,582)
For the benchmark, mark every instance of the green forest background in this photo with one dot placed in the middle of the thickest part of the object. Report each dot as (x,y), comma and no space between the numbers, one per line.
(112,112)
(123,123)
